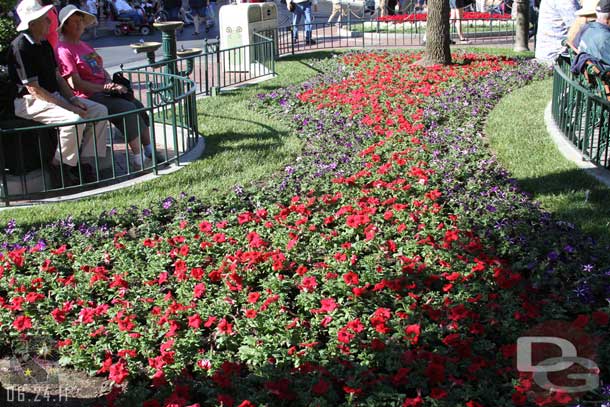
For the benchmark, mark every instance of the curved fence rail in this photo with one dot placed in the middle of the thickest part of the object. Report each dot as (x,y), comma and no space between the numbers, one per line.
(33,160)
(581,113)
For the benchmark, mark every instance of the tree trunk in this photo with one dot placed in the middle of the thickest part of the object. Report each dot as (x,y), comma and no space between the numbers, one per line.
(522,25)
(437,33)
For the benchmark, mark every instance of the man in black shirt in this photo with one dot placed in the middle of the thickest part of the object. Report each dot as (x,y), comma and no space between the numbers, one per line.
(44,95)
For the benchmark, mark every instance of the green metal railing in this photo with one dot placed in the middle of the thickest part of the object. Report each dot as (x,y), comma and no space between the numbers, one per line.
(26,172)
(215,69)
(581,110)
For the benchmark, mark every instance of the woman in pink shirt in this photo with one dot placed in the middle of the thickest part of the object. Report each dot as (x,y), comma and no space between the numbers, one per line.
(84,70)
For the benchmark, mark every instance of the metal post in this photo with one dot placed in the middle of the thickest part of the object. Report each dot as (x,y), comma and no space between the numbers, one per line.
(205,71)
(149,102)
(216,89)
(4,180)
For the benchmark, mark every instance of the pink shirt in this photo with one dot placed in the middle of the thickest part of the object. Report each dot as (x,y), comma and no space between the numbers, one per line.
(53,36)
(80,58)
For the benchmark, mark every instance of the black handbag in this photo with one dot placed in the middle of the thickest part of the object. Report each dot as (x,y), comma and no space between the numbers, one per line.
(119,79)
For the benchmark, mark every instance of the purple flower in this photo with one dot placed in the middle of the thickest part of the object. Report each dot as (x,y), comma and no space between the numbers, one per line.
(10,227)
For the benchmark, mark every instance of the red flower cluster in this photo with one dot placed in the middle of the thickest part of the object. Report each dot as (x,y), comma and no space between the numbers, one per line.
(468,15)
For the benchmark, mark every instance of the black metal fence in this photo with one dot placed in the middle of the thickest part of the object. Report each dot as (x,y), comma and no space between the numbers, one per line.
(215,69)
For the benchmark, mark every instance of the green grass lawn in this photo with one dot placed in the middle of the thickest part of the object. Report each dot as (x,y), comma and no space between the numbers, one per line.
(242,145)
(518,135)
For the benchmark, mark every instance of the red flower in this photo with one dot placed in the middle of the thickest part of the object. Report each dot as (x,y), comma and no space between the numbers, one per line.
(600,318)
(350,278)
(118,372)
(328,305)
(22,323)
(320,388)
(224,327)
(199,290)
(413,331)
(194,321)
(437,393)
(308,284)
(413,402)
(435,372)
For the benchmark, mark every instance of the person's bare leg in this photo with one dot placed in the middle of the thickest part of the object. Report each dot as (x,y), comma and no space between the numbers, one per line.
(196,23)
(452,16)
(459,13)
(144,140)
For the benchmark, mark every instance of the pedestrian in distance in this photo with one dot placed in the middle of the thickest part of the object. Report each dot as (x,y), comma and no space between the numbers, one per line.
(300,9)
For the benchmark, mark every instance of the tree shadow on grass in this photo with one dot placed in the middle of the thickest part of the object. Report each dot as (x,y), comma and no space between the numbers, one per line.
(226,142)
(577,197)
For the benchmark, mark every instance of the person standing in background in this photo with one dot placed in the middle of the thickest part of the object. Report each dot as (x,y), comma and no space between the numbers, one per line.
(91,8)
(302,8)
(457,12)
(339,10)
(198,13)
(554,19)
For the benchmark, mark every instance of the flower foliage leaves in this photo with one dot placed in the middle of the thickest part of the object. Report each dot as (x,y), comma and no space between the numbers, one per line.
(362,274)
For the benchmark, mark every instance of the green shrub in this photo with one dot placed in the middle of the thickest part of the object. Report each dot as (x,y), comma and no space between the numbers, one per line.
(8,32)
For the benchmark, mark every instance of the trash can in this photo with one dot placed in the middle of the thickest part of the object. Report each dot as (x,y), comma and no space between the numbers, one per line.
(238,23)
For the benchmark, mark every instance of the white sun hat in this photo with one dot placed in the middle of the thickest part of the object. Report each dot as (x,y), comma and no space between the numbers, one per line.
(588,8)
(28,11)
(66,13)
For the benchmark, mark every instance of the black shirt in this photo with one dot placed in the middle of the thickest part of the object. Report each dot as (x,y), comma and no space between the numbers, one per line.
(30,62)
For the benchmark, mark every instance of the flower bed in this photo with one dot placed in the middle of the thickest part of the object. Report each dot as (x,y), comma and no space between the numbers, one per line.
(394,263)
(468,15)
(416,23)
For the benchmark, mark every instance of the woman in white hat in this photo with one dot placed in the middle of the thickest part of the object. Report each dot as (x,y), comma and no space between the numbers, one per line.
(83,68)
